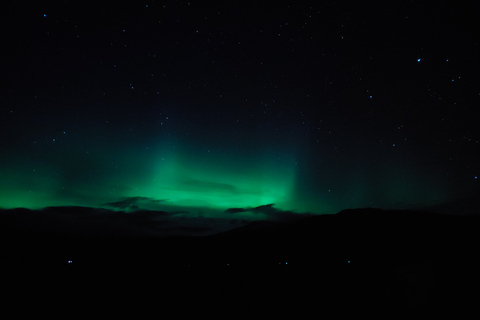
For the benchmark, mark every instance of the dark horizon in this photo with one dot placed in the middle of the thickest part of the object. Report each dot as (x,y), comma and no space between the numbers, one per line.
(358,261)
(126,220)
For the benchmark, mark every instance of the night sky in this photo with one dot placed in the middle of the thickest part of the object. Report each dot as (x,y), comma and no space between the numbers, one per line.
(236,108)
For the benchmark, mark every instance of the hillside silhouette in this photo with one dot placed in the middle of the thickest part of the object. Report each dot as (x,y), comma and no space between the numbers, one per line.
(363,261)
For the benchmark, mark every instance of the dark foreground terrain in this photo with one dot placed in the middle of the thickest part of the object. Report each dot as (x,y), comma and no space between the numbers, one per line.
(357,262)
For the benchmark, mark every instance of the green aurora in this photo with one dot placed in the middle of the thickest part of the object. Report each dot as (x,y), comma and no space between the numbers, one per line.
(198,111)
(208,177)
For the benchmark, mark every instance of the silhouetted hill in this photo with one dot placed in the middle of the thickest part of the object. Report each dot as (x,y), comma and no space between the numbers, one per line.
(361,234)
(468,205)
(364,261)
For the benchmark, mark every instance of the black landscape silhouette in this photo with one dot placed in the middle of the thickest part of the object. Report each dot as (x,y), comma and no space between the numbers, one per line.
(363,261)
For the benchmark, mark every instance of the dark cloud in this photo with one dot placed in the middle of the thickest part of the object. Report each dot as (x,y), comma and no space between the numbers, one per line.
(134,217)
(235,210)
(123,218)
(86,221)
(270,212)
(267,209)
(132,203)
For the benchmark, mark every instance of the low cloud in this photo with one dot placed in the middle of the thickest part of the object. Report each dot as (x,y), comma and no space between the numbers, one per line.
(133,203)
(139,216)
(235,210)
(97,222)
(270,212)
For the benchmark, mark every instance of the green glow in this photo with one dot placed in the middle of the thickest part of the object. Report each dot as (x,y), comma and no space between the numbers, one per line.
(220,183)
(181,176)
(20,188)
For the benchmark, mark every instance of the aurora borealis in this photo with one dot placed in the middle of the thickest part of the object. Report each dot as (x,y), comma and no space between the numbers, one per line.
(183,107)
